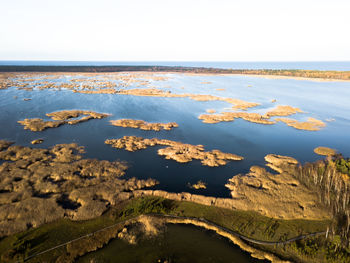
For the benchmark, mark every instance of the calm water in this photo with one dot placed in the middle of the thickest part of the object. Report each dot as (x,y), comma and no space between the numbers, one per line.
(315,65)
(180,243)
(321,100)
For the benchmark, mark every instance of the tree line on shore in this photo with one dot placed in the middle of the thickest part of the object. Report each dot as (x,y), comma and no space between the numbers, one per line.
(326,74)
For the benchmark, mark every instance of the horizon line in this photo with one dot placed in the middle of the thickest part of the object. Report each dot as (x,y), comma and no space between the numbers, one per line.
(221,61)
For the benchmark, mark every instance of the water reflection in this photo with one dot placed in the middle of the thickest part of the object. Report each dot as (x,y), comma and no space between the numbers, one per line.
(180,243)
(322,100)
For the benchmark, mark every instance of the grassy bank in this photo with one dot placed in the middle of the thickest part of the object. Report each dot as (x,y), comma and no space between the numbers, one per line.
(250,224)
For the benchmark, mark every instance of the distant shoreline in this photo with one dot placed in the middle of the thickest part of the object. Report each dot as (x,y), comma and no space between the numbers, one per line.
(318,75)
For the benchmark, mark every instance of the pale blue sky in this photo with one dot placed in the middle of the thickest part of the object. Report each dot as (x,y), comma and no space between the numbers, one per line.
(181,30)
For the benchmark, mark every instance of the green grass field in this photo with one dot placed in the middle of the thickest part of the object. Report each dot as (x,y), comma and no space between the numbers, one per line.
(250,224)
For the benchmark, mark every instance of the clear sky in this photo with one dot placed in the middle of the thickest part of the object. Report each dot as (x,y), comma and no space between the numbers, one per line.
(177,30)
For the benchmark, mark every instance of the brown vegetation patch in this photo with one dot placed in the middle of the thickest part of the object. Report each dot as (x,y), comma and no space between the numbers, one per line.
(280,195)
(275,195)
(143,125)
(282,110)
(98,91)
(37,141)
(199,185)
(325,151)
(4,80)
(68,114)
(153,92)
(237,103)
(177,151)
(103,84)
(41,185)
(310,125)
(231,116)
(280,163)
(60,118)
(83,82)
(5,144)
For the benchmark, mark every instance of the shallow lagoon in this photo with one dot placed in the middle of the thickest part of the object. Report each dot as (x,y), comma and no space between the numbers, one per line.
(321,100)
(179,243)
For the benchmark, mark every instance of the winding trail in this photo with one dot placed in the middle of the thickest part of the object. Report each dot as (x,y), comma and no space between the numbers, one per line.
(189,219)
(250,240)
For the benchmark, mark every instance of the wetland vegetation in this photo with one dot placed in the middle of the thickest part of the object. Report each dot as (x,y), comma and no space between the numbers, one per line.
(68,184)
(328,74)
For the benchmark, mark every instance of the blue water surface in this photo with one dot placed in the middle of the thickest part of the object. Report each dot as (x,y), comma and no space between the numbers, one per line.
(327,101)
